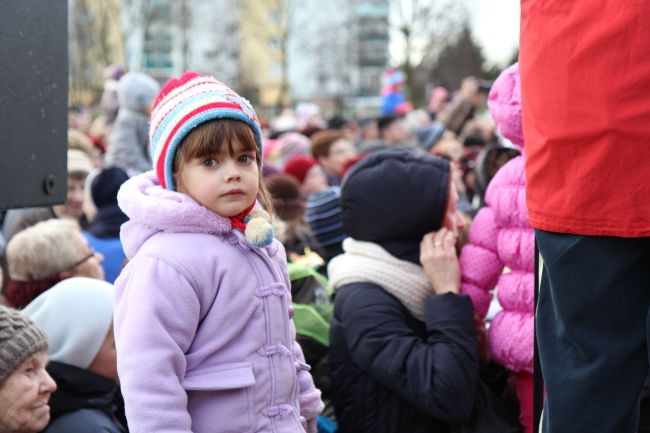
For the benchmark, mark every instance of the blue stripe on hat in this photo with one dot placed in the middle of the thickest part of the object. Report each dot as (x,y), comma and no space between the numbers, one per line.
(192,101)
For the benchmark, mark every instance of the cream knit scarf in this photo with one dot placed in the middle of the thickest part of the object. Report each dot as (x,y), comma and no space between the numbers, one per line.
(368,262)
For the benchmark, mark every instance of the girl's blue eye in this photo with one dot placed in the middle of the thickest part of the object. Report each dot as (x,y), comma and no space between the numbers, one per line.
(246,159)
(210,163)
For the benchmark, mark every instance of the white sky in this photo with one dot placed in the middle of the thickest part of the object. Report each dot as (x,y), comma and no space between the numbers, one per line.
(496,27)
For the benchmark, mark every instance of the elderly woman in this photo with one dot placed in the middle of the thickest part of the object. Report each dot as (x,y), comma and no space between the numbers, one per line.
(42,255)
(77,316)
(25,386)
(403,350)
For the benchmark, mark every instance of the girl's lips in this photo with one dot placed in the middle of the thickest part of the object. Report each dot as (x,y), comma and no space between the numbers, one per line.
(234,192)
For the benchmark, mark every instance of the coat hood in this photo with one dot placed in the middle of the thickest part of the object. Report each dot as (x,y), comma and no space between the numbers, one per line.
(136,91)
(504,102)
(152,209)
(393,198)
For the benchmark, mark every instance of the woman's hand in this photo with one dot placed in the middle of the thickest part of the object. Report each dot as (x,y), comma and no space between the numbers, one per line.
(438,258)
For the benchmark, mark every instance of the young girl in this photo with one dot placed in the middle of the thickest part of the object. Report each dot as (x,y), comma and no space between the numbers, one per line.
(502,237)
(203,326)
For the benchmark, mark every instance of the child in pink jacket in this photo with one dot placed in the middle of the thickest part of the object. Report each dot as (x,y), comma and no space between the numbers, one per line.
(501,238)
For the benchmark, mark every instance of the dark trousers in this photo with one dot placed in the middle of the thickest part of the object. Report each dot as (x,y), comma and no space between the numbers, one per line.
(591,325)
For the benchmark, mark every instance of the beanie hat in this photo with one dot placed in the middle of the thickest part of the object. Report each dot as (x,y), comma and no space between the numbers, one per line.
(287,202)
(109,217)
(20,338)
(393,198)
(429,135)
(299,166)
(105,184)
(504,102)
(184,103)
(136,90)
(78,162)
(324,218)
(76,314)
(289,145)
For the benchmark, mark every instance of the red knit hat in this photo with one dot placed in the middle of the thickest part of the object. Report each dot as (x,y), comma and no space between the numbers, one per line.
(298,166)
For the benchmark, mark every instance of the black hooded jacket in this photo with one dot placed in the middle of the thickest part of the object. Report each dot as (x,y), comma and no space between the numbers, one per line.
(84,402)
(390,372)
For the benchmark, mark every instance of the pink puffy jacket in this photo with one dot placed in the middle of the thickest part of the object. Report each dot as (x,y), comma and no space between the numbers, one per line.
(501,238)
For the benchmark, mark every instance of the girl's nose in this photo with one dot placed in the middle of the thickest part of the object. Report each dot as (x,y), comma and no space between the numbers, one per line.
(231,171)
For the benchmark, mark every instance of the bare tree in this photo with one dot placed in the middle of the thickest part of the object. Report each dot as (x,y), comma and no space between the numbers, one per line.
(323,46)
(423,28)
(91,47)
(222,52)
(460,58)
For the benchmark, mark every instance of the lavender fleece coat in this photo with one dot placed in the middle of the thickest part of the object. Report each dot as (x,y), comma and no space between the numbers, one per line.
(500,237)
(203,328)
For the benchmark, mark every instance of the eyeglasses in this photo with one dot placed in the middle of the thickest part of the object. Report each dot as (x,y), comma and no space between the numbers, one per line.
(91,253)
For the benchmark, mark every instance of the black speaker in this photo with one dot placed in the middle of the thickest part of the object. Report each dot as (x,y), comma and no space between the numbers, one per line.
(33,102)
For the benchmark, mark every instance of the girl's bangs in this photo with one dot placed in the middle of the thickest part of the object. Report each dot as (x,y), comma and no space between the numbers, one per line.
(208,139)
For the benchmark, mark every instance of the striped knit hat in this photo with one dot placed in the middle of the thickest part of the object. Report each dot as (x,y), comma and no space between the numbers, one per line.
(20,338)
(324,217)
(184,103)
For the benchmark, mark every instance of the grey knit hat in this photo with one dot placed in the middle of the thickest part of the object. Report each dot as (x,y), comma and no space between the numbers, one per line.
(20,338)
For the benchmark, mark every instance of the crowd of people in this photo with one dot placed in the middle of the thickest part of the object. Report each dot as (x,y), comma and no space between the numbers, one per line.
(215,269)
(193,229)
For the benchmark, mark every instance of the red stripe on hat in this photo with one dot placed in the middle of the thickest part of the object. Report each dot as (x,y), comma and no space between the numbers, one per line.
(160,164)
(174,83)
(178,101)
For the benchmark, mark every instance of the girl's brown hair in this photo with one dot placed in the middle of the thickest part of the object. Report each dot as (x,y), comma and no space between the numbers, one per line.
(207,140)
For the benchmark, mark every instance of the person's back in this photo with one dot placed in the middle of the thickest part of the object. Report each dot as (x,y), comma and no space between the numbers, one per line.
(585,79)
(594,151)
(364,402)
(128,141)
(403,353)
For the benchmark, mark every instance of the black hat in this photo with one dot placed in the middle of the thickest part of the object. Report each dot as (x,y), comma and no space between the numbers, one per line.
(393,198)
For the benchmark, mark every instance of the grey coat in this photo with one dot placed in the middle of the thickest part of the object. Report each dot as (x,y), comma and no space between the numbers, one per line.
(128,144)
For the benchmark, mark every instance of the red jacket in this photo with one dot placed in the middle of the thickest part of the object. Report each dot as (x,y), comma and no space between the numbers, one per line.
(585,74)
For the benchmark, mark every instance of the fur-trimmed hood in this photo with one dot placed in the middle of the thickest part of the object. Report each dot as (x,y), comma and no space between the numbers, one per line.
(152,209)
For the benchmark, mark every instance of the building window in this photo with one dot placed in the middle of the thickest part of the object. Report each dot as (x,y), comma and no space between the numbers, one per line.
(157,51)
(274,43)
